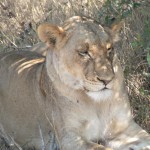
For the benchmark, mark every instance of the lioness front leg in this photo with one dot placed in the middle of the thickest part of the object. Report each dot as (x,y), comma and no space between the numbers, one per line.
(71,141)
(133,138)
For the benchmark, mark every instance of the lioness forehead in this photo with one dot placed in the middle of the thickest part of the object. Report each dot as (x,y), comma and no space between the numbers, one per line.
(87,29)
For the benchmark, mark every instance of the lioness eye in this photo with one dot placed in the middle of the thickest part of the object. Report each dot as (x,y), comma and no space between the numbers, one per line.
(83,50)
(110,51)
(84,54)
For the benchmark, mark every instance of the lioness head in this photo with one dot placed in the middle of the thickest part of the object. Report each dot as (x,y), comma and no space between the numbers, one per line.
(82,54)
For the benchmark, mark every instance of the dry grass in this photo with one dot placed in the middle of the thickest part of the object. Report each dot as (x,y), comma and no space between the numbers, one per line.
(133,57)
(19,20)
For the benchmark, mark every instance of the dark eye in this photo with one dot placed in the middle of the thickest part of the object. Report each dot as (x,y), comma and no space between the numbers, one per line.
(110,52)
(84,50)
(84,53)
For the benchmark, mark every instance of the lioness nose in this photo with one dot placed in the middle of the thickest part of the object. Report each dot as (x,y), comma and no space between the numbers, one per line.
(105,82)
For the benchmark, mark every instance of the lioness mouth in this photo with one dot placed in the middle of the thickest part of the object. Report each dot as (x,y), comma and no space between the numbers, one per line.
(100,90)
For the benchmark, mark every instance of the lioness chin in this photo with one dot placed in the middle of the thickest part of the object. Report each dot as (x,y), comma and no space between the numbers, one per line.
(74,97)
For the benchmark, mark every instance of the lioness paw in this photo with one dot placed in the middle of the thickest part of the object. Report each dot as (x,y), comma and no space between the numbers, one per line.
(140,146)
(100,147)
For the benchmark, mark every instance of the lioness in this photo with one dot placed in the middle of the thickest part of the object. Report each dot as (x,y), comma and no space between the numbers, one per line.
(76,93)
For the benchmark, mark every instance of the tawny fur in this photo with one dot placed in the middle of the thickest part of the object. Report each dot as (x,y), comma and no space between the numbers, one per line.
(77,92)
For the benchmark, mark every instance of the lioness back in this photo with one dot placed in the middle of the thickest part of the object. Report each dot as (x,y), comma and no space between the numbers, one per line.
(20,73)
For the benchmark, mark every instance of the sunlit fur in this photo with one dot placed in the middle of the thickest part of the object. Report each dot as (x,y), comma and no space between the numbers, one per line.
(74,98)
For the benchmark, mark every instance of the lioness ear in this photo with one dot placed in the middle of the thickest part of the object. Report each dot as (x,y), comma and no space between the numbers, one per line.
(50,34)
(115,28)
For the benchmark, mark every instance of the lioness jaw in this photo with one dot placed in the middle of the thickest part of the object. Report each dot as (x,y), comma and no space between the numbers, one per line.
(72,99)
